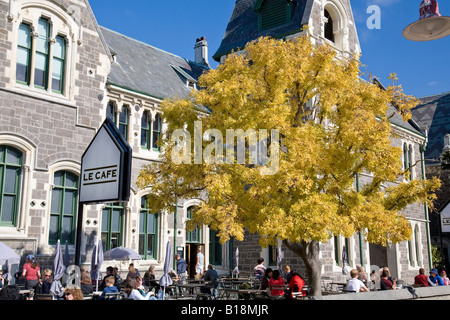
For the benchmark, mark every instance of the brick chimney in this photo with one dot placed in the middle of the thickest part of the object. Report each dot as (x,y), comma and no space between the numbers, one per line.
(201,51)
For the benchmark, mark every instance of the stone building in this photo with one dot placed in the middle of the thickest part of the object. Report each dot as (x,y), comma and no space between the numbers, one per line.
(61,75)
(331,21)
(432,114)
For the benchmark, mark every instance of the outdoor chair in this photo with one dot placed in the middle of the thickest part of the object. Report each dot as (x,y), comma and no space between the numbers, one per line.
(43,297)
(113,296)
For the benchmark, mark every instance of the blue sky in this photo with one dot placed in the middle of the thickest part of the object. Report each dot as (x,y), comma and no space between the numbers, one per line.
(423,68)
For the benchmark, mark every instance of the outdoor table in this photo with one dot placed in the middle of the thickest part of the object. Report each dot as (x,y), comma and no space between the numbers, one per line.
(253,293)
(190,286)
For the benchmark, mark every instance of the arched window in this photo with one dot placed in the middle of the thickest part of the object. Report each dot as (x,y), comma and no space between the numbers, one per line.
(35,55)
(193,236)
(10,184)
(112,225)
(148,232)
(329,27)
(63,207)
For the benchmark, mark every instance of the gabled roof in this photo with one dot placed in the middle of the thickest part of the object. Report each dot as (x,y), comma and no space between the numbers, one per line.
(243,26)
(148,70)
(433,114)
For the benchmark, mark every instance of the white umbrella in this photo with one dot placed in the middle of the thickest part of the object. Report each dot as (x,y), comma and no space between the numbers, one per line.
(58,271)
(344,261)
(97,260)
(236,269)
(8,256)
(166,280)
(121,253)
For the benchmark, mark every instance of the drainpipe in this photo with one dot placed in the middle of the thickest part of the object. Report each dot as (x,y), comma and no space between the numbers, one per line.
(360,234)
(422,158)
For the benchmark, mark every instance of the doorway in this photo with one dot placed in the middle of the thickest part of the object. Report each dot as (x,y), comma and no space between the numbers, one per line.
(191,257)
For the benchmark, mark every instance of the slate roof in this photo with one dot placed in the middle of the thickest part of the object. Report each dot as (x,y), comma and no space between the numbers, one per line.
(143,68)
(433,114)
(243,26)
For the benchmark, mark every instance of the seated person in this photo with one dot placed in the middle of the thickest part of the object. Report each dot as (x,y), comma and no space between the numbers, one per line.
(421,279)
(110,288)
(211,276)
(354,284)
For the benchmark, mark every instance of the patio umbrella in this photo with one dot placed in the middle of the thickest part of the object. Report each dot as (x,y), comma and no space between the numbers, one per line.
(166,280)
(344,261)
(279,258)
(121,253)
(9,257)
(58,271)
(97,260)
(67,256)
(236,269)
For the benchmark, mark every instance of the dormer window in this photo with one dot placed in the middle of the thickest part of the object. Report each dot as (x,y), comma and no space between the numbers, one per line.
(329,28)
(190,81)
(273,13)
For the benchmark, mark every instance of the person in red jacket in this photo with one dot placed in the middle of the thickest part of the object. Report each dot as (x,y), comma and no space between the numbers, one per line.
(421,279)
(276,280)
(296,284)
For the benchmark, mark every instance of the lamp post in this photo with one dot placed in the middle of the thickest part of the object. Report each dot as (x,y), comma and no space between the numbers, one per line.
(431,24)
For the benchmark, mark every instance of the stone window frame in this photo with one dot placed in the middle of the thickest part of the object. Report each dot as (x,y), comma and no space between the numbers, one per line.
(415,248)
(408,156)
(61,25)
(150,130)
(340,24)
(68,166)
(338,252)
(158,241)
(28,156)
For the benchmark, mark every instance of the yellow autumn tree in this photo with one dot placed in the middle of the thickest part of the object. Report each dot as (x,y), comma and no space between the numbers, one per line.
(319,125)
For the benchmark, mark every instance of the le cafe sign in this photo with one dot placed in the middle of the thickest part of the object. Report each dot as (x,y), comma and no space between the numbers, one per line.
(106,167)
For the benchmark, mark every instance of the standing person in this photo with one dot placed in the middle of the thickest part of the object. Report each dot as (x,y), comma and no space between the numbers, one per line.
(199,266)
(259,269)
(181,271)
(435,278)
(31,272)
(421,279)
(355,284)
(276,280)
(445,278)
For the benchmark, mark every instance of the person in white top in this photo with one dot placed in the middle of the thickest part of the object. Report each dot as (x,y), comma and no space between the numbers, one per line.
(200,262)
(354,284)
(133,292)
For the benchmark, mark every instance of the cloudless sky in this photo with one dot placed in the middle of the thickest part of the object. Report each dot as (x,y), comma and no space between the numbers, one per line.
(423,68)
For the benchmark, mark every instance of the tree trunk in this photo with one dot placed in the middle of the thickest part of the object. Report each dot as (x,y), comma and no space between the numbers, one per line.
(309,252)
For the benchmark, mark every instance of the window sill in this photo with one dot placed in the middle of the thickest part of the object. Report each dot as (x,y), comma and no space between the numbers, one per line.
(40,95)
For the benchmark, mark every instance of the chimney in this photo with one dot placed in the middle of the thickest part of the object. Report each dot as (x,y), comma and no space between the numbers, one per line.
(201,52)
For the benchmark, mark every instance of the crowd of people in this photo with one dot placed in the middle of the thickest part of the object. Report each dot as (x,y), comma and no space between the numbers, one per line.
(273,282)
(276,284)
